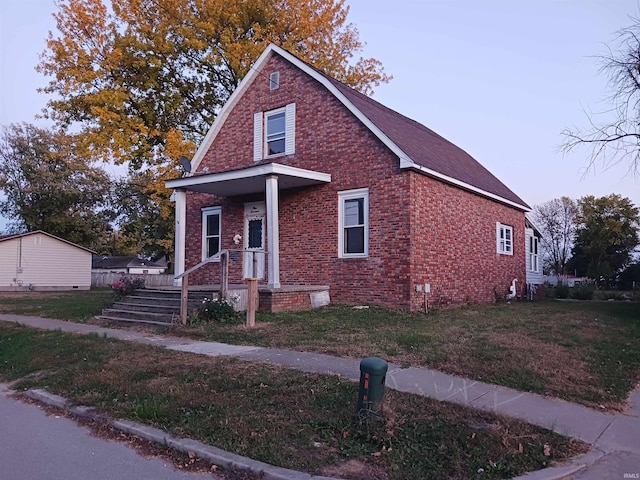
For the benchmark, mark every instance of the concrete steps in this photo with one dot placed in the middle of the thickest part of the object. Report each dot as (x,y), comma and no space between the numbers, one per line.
(152,307)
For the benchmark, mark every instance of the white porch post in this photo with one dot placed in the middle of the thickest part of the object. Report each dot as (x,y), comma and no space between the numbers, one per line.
(180,197)
(273,231)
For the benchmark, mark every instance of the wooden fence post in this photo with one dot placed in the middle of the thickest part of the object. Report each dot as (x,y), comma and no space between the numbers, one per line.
(184,299)
(252,301)
(224,275)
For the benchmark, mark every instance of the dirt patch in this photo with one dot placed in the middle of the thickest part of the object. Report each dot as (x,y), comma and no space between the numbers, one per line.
(355,469)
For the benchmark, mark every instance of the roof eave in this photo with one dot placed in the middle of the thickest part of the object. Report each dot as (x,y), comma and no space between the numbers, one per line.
(409,165)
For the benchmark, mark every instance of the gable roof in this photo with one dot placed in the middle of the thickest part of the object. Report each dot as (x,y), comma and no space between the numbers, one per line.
(41,232)
(417,147)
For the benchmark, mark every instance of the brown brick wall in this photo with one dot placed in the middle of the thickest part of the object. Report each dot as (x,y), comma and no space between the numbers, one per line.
(453,245)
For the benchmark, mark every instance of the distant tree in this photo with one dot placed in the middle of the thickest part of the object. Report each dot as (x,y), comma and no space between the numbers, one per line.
(606,235)
(616,138)
(47,186)
(630,277)
(144,229)
(556,220)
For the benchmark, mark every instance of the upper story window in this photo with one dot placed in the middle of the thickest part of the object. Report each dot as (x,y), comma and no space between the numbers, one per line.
(274,132)
(504,239)
(353,220)
(533,253)
(211,231)
(274,81)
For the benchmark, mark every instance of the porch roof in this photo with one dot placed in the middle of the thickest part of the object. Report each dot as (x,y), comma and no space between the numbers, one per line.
(249,180)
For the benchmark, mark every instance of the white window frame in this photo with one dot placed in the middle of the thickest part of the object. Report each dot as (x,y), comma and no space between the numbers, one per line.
(504,239)
(260,144)
(343,197)
(279,135)
(534,245)
(206,212)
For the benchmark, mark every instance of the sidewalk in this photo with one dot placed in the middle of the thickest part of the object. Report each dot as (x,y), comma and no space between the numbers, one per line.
(616,437)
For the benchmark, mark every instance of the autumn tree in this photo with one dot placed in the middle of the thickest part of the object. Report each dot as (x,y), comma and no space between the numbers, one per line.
(556,220)
(47,186)
(144,79)
(143,228)
(606,235)
(614,135)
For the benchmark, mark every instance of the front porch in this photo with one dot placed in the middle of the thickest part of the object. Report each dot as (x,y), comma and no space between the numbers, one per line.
(285,298)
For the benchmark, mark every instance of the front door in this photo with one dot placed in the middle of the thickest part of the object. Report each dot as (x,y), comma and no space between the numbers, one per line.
(254,236)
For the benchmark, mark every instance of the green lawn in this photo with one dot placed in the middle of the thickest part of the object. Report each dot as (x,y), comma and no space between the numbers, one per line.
(582,351)
(277,415)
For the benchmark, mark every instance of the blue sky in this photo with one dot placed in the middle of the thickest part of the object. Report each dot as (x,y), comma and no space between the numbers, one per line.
(500,79)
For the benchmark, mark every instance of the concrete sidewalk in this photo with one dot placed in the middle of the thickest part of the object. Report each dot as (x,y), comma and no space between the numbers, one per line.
(616,437)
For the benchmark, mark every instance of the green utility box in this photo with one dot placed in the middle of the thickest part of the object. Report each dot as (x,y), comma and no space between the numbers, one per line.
(373,371)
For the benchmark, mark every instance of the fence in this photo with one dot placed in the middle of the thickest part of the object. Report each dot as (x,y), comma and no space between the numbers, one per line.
(150,280)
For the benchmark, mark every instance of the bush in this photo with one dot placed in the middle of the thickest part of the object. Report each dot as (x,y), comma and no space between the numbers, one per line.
(562,291)
(582,292)
(127,285)
(218,310)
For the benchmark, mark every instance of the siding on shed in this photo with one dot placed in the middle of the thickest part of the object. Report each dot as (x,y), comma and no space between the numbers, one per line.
(43,262)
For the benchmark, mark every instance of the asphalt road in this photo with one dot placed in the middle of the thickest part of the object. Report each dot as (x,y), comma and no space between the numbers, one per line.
(37,446)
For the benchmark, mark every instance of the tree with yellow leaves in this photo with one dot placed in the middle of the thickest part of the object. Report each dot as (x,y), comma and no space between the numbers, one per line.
(144,79)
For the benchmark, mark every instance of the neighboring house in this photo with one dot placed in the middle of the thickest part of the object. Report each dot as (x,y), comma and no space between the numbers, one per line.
(129,265)
(534,276)
(335,191)
(41,261)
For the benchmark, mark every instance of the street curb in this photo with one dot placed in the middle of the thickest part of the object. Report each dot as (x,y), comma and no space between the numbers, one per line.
(560,472)
(201,450)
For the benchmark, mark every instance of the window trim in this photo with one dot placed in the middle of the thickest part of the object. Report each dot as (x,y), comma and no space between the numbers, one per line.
(360,193)
(534,256)
(280,135)
(206,211)
(260,145)
(504,247)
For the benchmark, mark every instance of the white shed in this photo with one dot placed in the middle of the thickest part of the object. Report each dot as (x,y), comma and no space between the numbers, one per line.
(41,261)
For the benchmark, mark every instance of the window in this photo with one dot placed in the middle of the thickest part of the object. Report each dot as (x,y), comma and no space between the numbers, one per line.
(274,132)
(210,231)
(504,237)
(353,220)
(533,253)
(274,81)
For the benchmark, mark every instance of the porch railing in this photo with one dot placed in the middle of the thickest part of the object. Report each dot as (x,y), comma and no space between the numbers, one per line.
(223,257)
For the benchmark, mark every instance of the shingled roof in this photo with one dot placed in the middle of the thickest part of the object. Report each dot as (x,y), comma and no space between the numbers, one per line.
(425,147)
(418,148)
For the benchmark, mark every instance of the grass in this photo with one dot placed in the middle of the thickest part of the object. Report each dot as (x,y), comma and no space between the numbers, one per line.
(277,415)
(584,352)
(76,305)
(581,351)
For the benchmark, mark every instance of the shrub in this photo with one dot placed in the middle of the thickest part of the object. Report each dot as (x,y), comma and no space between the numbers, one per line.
(218,310)
(562,291)
(582,292)
(127,285)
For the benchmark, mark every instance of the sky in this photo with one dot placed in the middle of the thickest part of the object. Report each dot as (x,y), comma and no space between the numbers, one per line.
(499,78)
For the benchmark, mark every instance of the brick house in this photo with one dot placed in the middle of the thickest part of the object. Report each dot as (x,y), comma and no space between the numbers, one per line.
(335,191)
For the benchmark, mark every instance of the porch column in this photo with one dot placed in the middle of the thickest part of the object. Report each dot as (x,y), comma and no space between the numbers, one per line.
(180,197)
(273,231)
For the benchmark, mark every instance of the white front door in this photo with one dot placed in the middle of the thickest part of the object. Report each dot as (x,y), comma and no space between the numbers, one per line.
(254,236)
